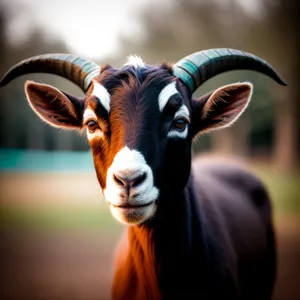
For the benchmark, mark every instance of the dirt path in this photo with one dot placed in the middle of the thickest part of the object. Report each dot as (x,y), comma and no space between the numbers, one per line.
(56,266)
(288,239)
(78,266)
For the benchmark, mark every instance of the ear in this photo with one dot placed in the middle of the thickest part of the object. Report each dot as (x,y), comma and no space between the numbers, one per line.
(221,108)
(53,106)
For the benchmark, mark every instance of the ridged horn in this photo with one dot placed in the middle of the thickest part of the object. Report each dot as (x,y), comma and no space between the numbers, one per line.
(198,67)
(77,69)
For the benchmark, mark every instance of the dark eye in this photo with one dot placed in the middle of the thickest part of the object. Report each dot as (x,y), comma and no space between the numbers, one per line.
(92,126)
(180,123)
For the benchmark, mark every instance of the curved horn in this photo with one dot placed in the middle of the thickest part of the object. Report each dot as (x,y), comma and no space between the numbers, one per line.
(78,70)
(198,67)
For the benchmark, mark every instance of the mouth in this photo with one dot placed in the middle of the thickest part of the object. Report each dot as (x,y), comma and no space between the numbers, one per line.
(131,206)
(133,214)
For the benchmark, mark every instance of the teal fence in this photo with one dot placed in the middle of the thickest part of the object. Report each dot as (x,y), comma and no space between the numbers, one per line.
(45,161)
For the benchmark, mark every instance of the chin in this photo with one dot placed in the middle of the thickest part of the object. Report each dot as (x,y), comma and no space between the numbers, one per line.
(133,215)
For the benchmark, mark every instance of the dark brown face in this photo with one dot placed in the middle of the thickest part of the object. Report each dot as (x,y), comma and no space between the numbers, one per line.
(137,123)
(140,121)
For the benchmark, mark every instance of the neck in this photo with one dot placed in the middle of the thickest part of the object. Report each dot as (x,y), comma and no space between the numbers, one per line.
(159,252)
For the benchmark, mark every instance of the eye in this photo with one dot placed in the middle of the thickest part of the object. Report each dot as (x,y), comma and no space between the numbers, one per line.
(180,123)
(92,126)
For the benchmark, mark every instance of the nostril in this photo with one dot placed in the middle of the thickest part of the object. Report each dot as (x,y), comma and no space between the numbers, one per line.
(129,183)
(139,180)
(119,180)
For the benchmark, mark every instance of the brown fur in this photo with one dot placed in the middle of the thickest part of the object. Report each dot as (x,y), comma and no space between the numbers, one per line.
(135,275)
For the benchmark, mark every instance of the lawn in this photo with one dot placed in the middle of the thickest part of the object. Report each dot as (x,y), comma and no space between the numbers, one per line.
(58,218)
(74,209)
(283,189)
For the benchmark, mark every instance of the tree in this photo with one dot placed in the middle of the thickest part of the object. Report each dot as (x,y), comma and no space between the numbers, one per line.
(20,127)
(278,32)
(189,26)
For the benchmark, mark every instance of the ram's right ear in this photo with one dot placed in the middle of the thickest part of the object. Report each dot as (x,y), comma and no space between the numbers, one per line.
(53,106)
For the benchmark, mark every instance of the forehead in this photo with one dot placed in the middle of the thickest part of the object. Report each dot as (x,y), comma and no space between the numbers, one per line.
(131,86)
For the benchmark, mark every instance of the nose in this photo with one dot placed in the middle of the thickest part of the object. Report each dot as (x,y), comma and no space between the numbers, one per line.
(130,181)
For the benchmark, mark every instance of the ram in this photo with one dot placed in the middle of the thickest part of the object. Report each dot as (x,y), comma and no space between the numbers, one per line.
(195,229)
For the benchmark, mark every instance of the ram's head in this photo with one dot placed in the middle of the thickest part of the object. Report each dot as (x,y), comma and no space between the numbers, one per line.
(140,120)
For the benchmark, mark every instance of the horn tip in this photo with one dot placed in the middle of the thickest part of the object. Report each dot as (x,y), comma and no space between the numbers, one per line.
(280,81)
(2,83)
(283,83)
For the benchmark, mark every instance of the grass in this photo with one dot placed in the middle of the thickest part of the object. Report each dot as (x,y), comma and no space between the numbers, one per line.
(284,191)
(56,218)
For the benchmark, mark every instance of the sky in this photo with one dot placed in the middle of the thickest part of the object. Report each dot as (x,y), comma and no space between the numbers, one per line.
(91,28)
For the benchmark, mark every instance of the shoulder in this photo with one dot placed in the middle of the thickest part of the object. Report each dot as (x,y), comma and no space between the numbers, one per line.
(228,171)
(228,184)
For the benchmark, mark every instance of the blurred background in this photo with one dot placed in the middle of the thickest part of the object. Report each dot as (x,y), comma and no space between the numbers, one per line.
(57,235)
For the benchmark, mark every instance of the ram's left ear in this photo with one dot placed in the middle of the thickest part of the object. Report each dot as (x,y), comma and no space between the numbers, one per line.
(55,107)
(220,108)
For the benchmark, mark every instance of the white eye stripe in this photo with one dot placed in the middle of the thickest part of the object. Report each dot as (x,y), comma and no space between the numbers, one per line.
(88,113)
(182,111)
(102,94)
(93,135)
(166,93)
(178,134)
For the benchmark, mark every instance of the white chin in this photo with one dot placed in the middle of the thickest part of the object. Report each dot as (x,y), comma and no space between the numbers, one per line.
(133,216)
